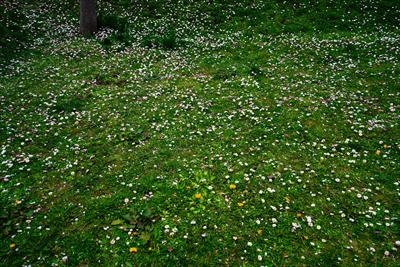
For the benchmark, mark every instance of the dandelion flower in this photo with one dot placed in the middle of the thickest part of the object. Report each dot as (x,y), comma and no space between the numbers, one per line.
(197,196)
(12,246)
(240,204)
(232,186)
(133,250)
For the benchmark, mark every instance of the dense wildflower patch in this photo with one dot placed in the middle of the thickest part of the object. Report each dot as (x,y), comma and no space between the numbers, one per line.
(186,145)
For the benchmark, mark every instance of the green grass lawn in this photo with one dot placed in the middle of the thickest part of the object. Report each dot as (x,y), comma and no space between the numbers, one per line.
(191,133)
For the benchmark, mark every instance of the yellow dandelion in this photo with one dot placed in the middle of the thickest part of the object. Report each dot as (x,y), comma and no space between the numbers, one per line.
(378,152)
(287,199)
(12,246)
(384,146)
(306,237)
(197,196)
(259,232)
(16,202)
(133,250)
(299,215)
(232,186)
(240,204)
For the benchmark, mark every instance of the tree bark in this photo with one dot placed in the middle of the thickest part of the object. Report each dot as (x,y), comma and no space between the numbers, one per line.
(88,17)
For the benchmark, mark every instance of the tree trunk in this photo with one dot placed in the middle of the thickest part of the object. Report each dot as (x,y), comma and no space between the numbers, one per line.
(88,17)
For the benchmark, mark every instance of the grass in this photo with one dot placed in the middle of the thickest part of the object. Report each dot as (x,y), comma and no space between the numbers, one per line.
(201,135)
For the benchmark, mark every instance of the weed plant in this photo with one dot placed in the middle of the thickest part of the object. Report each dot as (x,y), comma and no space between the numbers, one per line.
(195,133)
